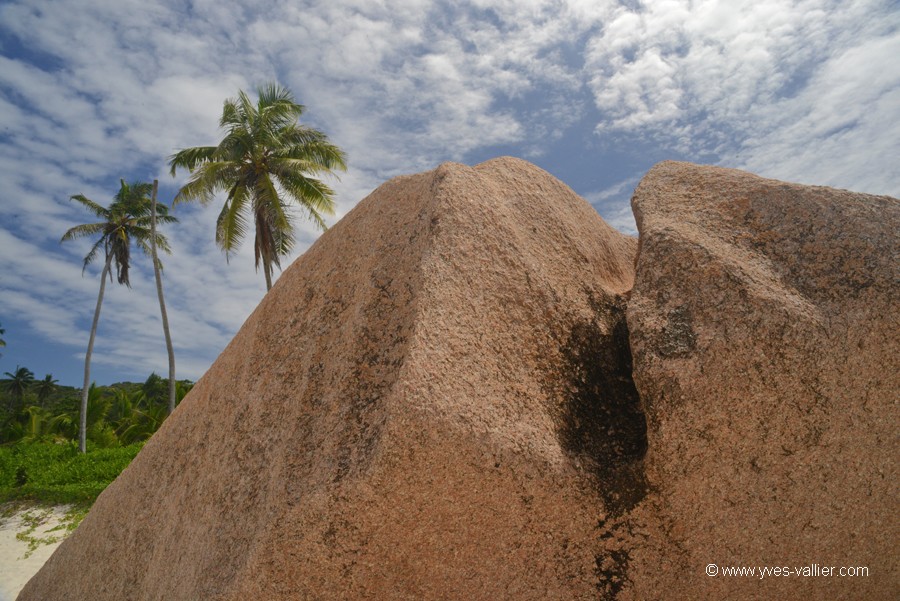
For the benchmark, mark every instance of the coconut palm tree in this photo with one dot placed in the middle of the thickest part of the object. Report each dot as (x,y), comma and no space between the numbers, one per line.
(17,383)
(143,423)
(36,423)
(126,220)
(45,387)
(2,342)
(265,161)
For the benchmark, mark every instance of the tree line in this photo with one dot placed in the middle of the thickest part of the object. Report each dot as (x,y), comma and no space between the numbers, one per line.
(33,410)
(265,163)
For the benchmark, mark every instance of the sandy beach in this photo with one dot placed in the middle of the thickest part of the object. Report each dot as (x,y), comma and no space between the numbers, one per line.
(15,568)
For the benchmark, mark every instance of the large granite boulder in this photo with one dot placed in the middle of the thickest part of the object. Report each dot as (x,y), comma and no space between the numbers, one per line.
(765,328)
(436,401)
(433,402)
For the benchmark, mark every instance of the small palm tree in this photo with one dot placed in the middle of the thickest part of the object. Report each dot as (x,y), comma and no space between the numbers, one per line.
(37,423)
(17,383)
(265,160)
(2,342)
(136,417)
(122,407)
(99,430)
(144,422)
(45,387)
(126,220)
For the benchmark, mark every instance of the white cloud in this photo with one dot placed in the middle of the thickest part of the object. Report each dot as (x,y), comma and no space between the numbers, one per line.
(802,90)
(847,114)
(98,90)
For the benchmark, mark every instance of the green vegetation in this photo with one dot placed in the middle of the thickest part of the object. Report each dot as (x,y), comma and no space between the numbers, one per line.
(57,474)
(118,415)
(265,159)
(40,462)
(42,475)
(35,517)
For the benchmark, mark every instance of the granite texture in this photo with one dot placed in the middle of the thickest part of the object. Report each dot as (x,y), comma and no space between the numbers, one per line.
(464,390)
(410,413)
(766,343)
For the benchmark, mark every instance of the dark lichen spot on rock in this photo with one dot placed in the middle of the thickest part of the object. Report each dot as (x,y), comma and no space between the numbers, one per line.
(601,422)
(612,574)
(677,338)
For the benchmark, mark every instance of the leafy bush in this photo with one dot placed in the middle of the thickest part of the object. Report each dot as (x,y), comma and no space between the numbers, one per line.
(53,473)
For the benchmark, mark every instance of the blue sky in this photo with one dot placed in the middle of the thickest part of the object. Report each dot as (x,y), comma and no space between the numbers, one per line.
(593,91)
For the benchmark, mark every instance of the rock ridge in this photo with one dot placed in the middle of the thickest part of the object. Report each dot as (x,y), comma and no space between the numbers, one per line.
(398,419)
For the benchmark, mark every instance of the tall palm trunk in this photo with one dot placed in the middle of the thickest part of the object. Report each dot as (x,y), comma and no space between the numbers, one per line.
(268,270)
(82,420)
(162,302)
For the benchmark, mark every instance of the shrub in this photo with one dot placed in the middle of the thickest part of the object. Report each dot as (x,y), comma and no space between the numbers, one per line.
(53,473)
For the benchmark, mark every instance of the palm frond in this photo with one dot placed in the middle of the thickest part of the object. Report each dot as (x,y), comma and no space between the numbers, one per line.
(205,181)
(148,251)
(231,225)
(92,254)
(246,110)
(189,158)
(143,223)
(272,93)
(300,135)
(268,200)
(80,231)
(276,107)
(310,193)
(284,244)
(90,205)
(142,237)
(160,219)
(231,113)
(329,157)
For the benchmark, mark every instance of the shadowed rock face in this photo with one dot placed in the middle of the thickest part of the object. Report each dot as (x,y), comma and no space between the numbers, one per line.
(434,402)
(764,329)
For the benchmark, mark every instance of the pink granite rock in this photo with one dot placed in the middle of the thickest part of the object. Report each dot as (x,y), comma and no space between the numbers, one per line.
(410,413)
(766,343)
(436,402)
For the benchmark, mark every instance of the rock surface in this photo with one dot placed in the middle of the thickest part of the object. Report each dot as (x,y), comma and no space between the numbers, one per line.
(436,401)
(765,326)
(433,402)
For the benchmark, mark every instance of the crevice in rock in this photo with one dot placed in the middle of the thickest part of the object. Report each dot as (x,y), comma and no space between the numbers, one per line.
(602,422)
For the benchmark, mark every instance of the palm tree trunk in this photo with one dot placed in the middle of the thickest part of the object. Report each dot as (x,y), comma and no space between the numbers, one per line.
(267,269)
(82,420)
(162,302)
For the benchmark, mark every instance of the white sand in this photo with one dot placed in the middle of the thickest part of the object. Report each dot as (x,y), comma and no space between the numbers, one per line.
(15,569)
